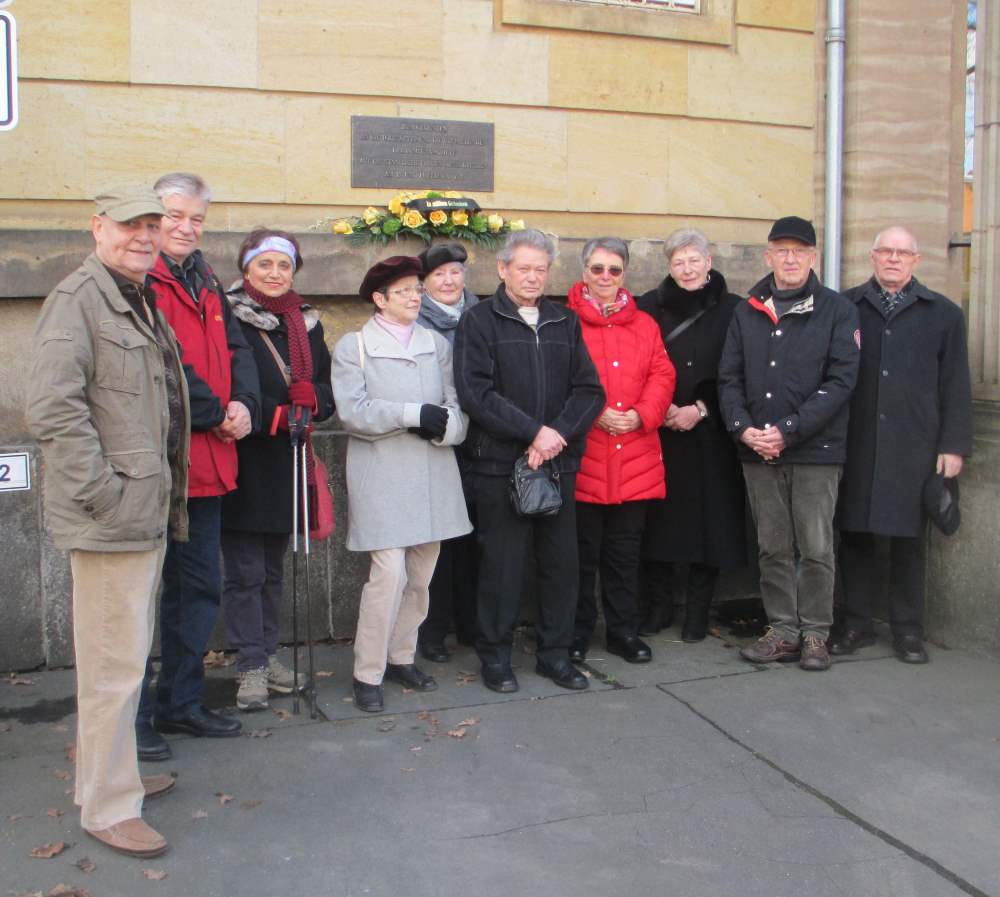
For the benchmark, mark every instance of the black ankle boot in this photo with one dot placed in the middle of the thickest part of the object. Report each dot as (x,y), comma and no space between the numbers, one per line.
(656,597)
(700,587)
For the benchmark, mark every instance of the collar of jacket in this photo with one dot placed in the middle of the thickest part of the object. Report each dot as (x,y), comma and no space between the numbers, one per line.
(765,303)
(592,316)
(441,319)
(106,283)
(254,314)
(379,343)
(548,311)
(162,274)
(872,290)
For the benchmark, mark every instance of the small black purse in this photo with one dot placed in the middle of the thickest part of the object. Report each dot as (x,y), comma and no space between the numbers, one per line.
(535,493)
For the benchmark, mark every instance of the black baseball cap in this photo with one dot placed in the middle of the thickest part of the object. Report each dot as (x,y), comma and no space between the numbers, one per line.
(793,228)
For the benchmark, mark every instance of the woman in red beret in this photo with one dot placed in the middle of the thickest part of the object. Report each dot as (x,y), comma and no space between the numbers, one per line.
(392,381)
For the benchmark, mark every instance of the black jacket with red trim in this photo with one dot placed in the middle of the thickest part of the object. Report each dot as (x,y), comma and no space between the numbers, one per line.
(796,372)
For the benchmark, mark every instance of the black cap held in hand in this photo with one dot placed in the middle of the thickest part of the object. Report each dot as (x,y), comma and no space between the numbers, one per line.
(793,228)
(940,499)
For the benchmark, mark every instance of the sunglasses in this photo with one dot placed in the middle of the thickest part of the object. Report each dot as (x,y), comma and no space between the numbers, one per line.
(613,270)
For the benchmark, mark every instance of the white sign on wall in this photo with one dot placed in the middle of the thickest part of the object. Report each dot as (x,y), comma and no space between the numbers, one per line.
(15,472)
(8,70)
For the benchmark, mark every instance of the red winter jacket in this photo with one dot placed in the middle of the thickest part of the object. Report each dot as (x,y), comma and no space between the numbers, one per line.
(201,332)
(636,372)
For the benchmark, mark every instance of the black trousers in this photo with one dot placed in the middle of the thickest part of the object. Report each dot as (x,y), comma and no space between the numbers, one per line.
(862,570)
(609,539)
(505,542)
(453,591)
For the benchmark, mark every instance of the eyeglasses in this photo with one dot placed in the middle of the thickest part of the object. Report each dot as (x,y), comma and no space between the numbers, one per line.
(799,252)
(407,291)
(613,270)
(885,253)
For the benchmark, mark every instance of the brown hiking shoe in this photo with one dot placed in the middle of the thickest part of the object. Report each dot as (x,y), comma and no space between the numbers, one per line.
(814,654)
(771,647)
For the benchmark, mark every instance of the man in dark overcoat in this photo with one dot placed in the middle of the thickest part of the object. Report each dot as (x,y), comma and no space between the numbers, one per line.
(911,416)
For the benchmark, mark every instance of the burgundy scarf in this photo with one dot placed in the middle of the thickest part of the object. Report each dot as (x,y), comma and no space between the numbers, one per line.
(288,306)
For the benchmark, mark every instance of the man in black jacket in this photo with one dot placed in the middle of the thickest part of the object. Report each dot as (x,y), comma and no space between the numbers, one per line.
(786,374)
(911,416)
(525,378)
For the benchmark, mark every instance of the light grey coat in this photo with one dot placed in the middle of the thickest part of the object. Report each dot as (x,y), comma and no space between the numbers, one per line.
(402,490)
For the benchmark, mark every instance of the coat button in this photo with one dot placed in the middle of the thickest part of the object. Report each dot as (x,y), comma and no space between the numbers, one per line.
(885,373)
(773,363)
(614,364)
(777,333)
(788,423)
(618,446)
(888,332)
(881,417)
(690,363)
(767,395)
(736,423)
(618,404)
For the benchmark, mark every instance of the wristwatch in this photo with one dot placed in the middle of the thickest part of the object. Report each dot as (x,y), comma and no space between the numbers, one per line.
(702,410)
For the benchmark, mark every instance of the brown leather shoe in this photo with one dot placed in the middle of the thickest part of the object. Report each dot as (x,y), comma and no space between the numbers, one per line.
(771,648)
(156,785)
(132,837)
(815,657)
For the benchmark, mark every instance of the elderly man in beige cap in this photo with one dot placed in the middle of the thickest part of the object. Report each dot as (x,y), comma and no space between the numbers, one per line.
(107,402)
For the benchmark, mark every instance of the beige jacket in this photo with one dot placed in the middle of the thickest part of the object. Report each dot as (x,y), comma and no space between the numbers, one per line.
(97,404)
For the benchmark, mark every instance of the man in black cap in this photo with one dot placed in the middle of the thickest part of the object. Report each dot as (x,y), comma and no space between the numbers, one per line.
(787,371)
(911,416)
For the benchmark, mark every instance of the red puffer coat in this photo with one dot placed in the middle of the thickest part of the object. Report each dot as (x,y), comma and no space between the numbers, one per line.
(636,372)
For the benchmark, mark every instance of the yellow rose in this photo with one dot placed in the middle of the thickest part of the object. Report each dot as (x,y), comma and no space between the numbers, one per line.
(371,215)
(438,217)
(413,218)
(494,223)
(516,225)
(342,227)
(396,206)
(460,217)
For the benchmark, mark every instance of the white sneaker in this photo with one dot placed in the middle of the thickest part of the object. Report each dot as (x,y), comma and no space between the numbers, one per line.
(280,679)
(252,694)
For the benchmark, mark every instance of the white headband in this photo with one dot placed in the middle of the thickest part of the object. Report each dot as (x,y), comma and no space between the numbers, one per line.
(272,244)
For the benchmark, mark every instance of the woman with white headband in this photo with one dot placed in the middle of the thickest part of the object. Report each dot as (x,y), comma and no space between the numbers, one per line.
(294,366)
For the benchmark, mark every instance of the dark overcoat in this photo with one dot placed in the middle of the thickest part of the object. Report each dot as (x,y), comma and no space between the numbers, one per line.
(262,502)
(702,517)
(912,403)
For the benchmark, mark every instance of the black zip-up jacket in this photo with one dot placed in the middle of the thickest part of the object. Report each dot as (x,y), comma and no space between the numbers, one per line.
(795,372)
(512,380)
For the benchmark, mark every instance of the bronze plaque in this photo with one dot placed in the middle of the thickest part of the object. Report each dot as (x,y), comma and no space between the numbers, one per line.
(404,153)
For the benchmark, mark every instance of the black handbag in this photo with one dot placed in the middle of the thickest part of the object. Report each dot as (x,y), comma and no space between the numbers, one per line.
(535,493)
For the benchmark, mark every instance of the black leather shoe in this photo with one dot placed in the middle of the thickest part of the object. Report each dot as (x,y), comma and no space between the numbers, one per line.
(150,745)
(633,649)
(410,676)
(578,651)
(499,677)
(910,649)
(200,721)
(435,652)
(849,641)
(368,697)
(563,673)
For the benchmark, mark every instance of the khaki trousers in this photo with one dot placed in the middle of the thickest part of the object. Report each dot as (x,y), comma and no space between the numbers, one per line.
(393,605)
(113,613)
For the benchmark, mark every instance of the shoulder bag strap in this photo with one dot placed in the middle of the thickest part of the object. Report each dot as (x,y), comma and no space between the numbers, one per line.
(680,328)
(361,350)
(278,360)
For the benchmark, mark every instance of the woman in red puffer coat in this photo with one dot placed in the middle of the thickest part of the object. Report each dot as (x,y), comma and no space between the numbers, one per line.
(622,466)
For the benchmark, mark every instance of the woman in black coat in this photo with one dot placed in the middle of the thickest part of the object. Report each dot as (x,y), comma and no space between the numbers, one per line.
(701,521)
(257,517)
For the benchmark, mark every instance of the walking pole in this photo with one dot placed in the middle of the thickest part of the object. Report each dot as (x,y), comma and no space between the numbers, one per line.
(295,435)
(311,694)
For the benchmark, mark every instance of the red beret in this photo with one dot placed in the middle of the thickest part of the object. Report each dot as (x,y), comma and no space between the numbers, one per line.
(385,272)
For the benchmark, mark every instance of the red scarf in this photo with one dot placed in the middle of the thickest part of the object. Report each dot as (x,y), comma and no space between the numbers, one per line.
(580,291)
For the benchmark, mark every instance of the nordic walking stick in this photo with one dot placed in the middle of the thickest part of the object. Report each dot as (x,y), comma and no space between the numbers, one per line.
(311,694)
(295,431)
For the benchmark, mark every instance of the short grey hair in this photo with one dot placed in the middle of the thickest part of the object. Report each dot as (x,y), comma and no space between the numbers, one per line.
(533,239)
(185,184)
(684,237)
(901,229)
(609,244)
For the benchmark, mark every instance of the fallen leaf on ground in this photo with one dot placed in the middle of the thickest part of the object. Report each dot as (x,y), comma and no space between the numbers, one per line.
(62,775)
(47,851)
(587,673)
(250,804)
(54,812)
(68,891)
(223,798)
(17,816)
(464,678)
(199,814)
(282,714)
(60,727)
(520,745)
(458,732)
(20,680)
(324,674)
(417,747)
(347,700)
(471,721)
(407,691)
(715,632)
(214,660)
(154,874)
(408,769)
(71,753)
(85,864)
(387,725)
(259,733)
(424,714)
(6,727)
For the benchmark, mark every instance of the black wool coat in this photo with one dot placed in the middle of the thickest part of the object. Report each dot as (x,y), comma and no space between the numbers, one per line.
(262,502)
(702,517)
(913,402)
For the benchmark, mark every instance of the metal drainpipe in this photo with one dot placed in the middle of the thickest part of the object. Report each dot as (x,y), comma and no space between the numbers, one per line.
(835,36)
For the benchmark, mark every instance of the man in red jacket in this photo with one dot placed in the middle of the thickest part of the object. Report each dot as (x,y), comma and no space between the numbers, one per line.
(225,401)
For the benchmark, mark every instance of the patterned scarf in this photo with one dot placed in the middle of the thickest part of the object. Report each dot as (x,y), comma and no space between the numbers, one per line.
(611,308)
(889,300)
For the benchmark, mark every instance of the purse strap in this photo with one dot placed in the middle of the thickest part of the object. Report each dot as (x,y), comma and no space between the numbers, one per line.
(278,360)
(680,328)
(361,350)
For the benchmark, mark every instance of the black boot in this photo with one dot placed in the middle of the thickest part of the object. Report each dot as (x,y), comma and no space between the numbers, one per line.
(656,597)
(700,588)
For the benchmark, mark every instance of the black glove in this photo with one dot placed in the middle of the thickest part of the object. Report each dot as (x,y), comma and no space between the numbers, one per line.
(433,419)
(422,433)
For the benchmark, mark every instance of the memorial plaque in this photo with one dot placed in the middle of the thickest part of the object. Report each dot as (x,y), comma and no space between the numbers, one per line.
(405,153)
